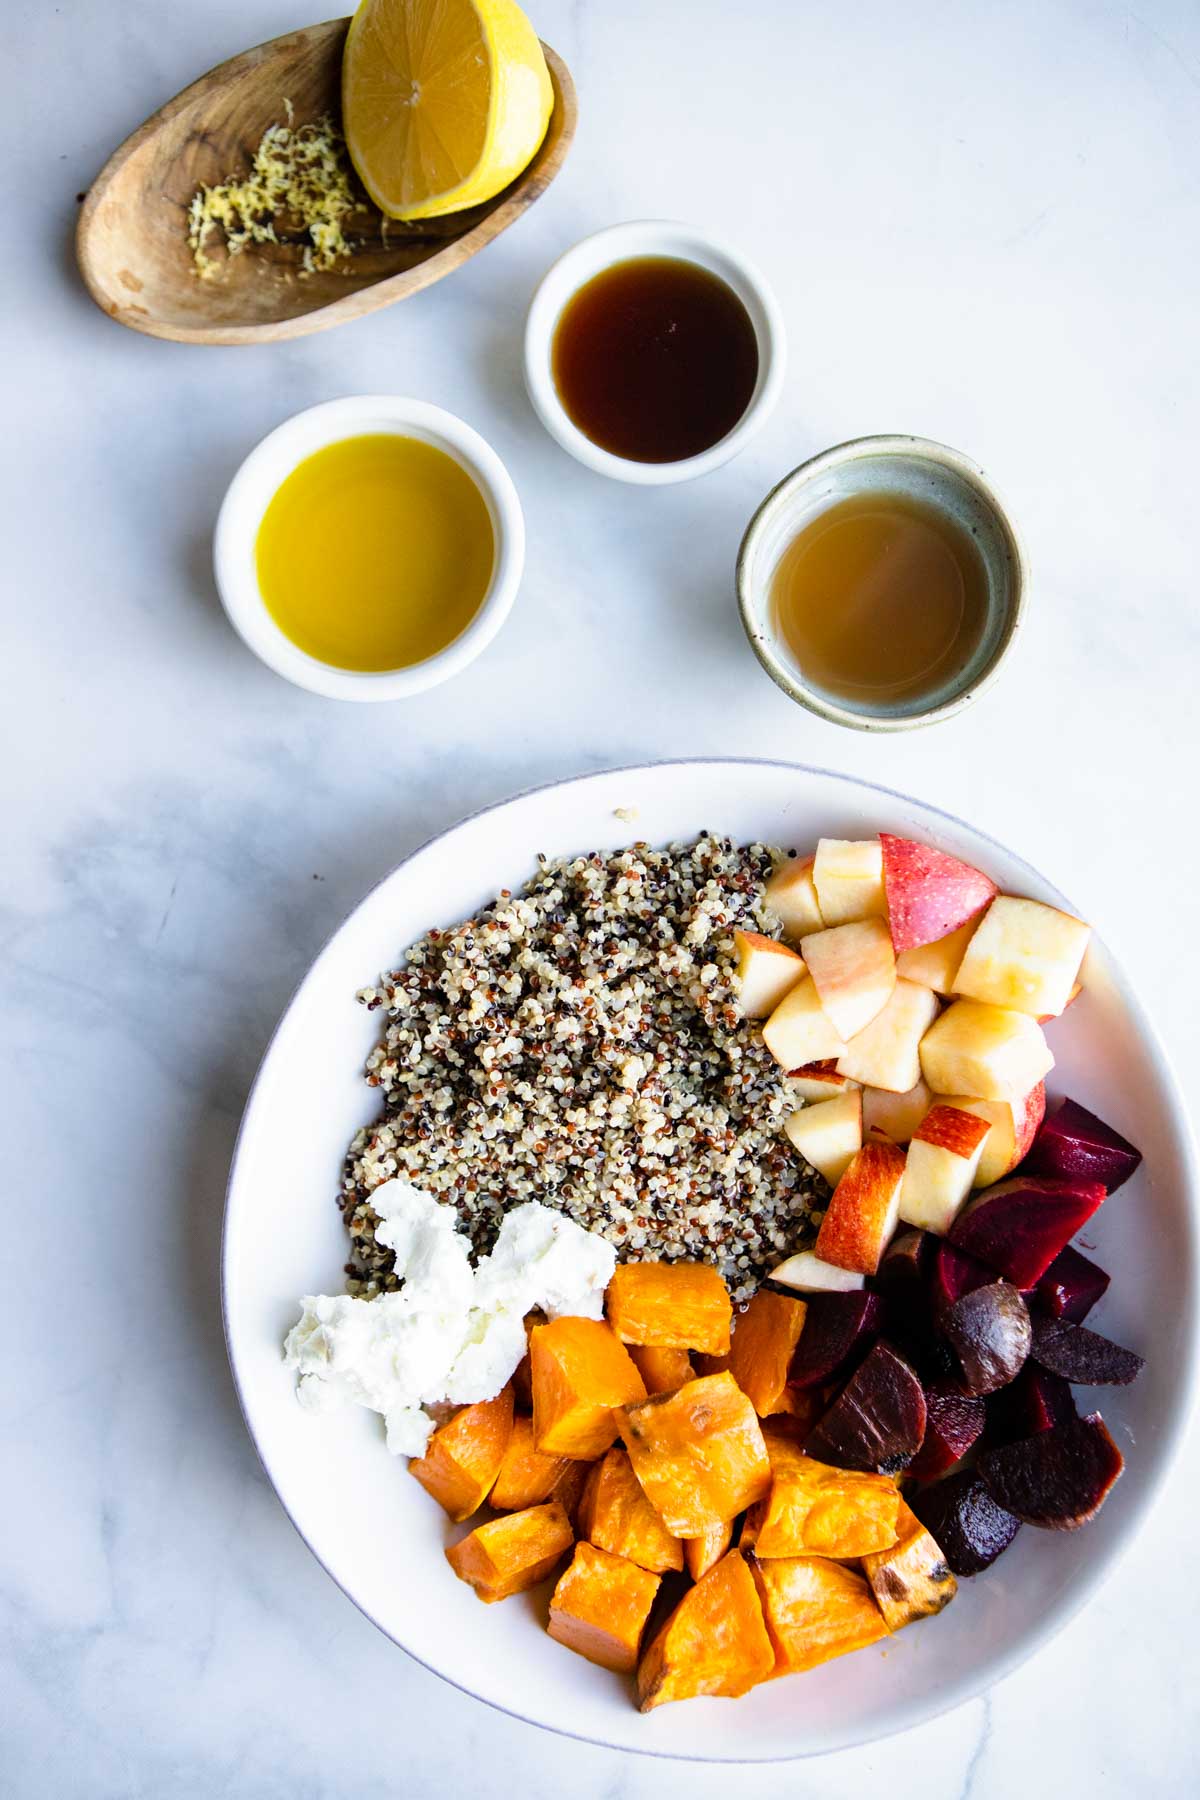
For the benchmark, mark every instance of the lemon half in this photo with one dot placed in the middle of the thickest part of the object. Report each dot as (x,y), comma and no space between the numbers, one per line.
(444,102)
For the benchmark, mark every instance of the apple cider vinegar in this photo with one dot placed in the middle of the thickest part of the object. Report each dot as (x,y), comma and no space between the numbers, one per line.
(375,553)
(881,600)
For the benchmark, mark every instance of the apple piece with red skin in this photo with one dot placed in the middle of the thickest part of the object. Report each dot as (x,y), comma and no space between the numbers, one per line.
(863,1209)
(828,1135)
(765,971)
(819,1081)
(835,1327)
(877,1421)
(1018,1227)
(1014,1126)
(1070,1287)
(940,1168)
(791,895)
(1058,1479)
(936,965)
(954,1421)
(897,1115)
(929,894)
(854,971)
(1073,1142)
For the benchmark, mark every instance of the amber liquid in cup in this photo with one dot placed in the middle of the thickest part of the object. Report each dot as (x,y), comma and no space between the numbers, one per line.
(655,359)
(883,601)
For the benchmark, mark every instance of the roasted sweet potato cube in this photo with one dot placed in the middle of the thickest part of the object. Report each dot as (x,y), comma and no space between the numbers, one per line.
(704,1553)
(760,1353)
(670,1306)
(615,1515)
(714,1642)
(662,1370)
(581,1371)
(526,1477)
(815,1610)
(569,1487)
(698,1453)
(600,1608)
(513,1552)
(462,1459)
(814,1509)
(910,1580)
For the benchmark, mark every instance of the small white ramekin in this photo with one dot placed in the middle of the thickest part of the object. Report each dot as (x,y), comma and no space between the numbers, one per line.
(651,237)
(272,461)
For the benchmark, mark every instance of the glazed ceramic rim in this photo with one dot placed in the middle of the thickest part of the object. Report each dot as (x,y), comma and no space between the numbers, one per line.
(1065,1608)
(268,466)
(754,598)
(616,244)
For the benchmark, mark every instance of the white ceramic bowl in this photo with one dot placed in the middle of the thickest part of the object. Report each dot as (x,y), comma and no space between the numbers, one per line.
(651,237)
(379,1534)
(257,481)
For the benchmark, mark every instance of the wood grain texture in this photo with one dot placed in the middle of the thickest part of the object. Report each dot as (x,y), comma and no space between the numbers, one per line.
(132,243)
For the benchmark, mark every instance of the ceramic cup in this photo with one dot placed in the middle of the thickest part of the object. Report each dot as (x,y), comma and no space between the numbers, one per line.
(938,478)
(271,462)
(620,243)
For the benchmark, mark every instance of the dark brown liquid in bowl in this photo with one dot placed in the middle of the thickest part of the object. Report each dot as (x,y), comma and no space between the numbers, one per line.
(655,359)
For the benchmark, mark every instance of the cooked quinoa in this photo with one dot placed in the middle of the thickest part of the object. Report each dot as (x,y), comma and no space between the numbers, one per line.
(579,1043)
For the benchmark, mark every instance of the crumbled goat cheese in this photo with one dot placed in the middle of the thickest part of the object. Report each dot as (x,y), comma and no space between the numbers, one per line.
(449,1331)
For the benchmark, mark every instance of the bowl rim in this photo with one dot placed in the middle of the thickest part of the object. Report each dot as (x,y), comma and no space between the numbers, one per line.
(752,598)
(620,243)
(1176,1424)
(276,456)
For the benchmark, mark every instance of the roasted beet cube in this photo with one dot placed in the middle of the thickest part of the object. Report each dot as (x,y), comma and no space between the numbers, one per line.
(877,1421)
(989,1332)
(1083,1356)
(1073,1142)
(1058,1479)
(1019,1226)
(952,1274)
(1034,1402)
(953,1422)
(970,1528)
(1070,1287)
(835,1326)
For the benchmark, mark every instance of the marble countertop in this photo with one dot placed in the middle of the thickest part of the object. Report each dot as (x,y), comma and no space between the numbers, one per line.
(983,225)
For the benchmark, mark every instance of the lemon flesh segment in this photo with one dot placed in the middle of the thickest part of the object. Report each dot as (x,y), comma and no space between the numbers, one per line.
(444,102)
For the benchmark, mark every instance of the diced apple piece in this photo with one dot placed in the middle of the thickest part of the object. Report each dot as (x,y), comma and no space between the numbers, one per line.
(819,1081)
(886,1053)
(800,1030)
(943,1158)
(848,877)
(854,971)
(896,1114)
(1014,1126)
(1024,956)
(791,895)
(828,1135)
(987,1051)
(766,969)
(809,1275)
(929,894)
(936,965)
(863,1209)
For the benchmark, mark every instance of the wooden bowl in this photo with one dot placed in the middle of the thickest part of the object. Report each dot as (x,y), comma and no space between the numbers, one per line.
(132,243)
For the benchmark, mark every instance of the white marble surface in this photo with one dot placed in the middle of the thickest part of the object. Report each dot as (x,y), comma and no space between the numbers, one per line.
(983,223)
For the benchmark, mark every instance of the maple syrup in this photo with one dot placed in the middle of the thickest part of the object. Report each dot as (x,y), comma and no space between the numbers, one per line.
(882,600)
(655,359)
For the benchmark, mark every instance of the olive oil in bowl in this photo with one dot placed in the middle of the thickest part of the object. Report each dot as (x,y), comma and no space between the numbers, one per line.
(375,553)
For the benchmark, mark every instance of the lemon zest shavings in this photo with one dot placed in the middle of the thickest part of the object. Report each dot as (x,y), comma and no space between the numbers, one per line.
(300,172)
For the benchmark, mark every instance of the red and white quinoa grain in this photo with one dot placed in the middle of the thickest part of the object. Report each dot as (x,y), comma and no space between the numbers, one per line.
(579,1043)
